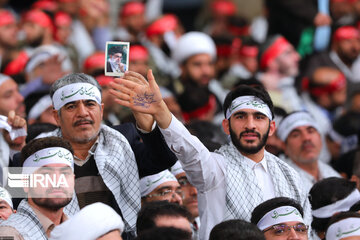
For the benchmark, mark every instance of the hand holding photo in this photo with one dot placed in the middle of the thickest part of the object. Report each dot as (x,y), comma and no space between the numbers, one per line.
(117,58)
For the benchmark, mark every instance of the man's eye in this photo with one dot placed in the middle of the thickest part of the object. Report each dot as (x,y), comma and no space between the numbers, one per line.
(71,106)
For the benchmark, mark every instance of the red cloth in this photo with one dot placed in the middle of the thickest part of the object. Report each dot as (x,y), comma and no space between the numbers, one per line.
(221,7)
(166,23)
(138,53)
(273,51)
(17,65)
(6,18)
(96,60)
(346,32)
(132,8)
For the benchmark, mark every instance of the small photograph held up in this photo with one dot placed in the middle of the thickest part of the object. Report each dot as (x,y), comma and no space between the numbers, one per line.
(117,58)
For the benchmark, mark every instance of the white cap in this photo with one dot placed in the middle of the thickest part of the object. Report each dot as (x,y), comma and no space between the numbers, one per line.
(149,183)
(90,223)
(193,43)
(5,195)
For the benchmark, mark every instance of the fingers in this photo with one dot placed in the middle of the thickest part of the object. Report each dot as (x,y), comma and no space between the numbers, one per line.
(120,95)
(15,120)
(135,77)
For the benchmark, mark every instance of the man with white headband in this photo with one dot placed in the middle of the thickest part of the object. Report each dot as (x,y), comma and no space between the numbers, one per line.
(280,218)
(344,226)
(239,176)
(42,210)
(190,193)
(329,197)
(108,161)
(6,204)
(302,144)
(162,186)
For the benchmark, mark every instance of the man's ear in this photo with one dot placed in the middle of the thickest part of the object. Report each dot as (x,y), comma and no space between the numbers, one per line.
(226,126)
(56,116)
(272,128)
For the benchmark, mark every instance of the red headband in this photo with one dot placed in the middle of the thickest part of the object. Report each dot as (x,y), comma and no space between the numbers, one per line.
(17,65)
(346,32)
(223,50)
(97,60)
(166,23)
(47,5)
(202,111)
(138,53)
(62,19)
(132,8)
(335,85)
(39,17)
(226,8)
(249,51)
(104,80)
(6,18)
(273,51)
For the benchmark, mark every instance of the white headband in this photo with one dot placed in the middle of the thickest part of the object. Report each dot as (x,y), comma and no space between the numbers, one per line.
(339,206)
(48,156)
(149,183)
(293,121)
(40,107)
(5,195)
(176,169)
(248,102)
(280,215)
(3,78)
(74,92)
(344,228)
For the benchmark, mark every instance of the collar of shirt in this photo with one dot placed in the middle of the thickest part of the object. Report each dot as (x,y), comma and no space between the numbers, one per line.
(45,222)
(91,152)
(253,165)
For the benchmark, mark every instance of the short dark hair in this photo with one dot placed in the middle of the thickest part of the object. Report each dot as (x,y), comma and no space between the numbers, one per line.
(271,204)
(152,210)
(326,192)
(115,49)
(36,129)
(244,90)
(236,229)
(41,143)
(164,233)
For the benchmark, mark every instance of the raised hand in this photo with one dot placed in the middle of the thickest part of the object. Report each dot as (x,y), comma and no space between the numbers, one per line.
(135,92)
(16,122)
(142,96)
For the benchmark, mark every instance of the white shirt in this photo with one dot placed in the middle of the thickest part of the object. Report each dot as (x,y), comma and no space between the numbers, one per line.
(263,177)
(325,171)
(207,172)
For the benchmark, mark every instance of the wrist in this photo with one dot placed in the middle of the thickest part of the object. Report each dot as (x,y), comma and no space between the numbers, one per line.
(163,116)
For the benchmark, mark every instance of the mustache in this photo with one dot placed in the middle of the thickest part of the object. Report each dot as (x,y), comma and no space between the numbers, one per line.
(307,144)
(82,121)
(250,131)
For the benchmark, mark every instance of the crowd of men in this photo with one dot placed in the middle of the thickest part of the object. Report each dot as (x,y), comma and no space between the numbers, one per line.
(224,125)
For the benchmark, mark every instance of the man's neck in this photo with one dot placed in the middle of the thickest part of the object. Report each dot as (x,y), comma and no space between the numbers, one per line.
(54,215)
(81,150)
(256,157)
(311,168)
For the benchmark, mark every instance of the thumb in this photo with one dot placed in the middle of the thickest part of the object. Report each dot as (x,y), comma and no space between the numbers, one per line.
(151,80)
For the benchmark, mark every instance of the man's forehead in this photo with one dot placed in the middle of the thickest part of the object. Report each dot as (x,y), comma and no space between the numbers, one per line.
(4,202)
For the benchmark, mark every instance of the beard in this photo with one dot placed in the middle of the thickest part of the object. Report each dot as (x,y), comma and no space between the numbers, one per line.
(249,149)
(36,42)
(51,204)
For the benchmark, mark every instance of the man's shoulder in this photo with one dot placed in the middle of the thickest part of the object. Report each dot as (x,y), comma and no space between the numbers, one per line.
(9,232)
(283,165)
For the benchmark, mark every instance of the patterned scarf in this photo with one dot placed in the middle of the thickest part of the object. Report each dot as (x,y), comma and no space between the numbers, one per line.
(243,193)
(26,222)
(117,166)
